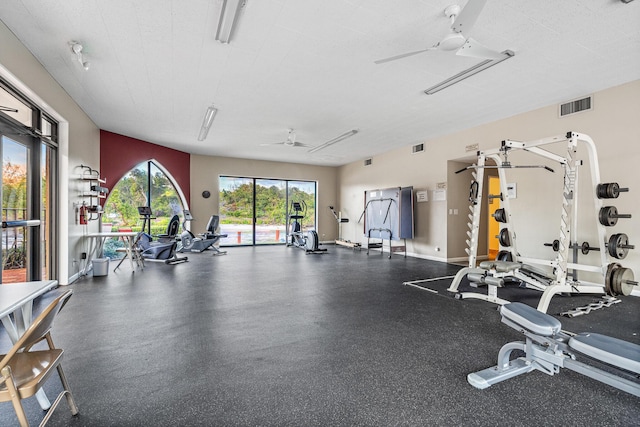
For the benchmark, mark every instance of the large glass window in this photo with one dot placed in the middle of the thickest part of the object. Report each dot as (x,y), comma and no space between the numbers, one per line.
(253,211)
(145,185)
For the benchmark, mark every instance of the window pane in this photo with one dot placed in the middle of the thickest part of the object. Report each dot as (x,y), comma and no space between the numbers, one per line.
(271,212)
(14,207)
(121,207)
(165,201)
(13,107)
(304,192)
(236,210)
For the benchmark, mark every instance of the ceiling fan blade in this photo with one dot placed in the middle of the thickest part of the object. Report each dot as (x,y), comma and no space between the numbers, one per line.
(404,55)
(474,49)
(468,16)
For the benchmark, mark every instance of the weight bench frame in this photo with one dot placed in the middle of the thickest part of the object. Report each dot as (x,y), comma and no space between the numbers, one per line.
(547,349)
(497,271)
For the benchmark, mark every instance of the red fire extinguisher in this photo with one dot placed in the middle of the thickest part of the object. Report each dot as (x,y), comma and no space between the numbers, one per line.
(83,214)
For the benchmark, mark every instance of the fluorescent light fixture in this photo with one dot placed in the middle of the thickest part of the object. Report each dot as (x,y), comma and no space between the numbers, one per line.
(469,72)
(334,140)
(228,17)
(206,123)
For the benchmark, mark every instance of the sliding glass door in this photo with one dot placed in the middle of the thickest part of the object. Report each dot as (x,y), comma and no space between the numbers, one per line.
(253,211)
(270,208)
(236,210)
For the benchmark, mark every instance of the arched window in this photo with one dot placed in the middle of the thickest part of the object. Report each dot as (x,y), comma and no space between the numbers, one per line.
(147,184)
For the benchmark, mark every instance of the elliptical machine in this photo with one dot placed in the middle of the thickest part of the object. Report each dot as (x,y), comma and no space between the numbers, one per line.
(190,243)
(298,238)
(164,249)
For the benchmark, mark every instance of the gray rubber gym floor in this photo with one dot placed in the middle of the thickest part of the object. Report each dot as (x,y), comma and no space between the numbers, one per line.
(270,336)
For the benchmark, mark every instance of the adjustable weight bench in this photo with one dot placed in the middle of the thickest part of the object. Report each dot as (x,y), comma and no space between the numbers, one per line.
(547,349)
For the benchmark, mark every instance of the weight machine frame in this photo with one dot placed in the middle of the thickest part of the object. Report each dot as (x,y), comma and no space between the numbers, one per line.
(561,282)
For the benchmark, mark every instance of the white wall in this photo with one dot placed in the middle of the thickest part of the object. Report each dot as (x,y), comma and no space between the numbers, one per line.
(80,141)
(614,124)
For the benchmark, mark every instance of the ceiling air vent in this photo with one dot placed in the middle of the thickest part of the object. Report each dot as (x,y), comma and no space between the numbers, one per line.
(576,106)
(367,162)
(418,148)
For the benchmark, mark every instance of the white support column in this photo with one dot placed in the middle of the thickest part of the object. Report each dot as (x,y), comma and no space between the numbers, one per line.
(476,211)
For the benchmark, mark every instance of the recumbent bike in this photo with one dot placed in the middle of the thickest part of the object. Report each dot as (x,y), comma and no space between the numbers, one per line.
(165,247)
(190,243)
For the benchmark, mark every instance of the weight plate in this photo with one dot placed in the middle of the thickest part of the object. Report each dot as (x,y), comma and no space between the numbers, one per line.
(613,190)
(608,216)
(504,256)
(619,281)
(617,245)
(503,238)
(608,280)
(609,190)
(585,248)
(500,215)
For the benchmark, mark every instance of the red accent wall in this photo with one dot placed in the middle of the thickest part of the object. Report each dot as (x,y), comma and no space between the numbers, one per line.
(119,154)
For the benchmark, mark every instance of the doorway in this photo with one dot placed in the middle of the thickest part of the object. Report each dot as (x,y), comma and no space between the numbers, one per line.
(25,192)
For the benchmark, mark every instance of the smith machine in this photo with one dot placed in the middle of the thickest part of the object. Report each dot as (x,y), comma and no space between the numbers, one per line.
(534,273)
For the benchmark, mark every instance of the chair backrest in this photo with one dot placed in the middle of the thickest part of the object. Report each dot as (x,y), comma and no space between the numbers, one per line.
(39,327)
(173,227)
(213,224)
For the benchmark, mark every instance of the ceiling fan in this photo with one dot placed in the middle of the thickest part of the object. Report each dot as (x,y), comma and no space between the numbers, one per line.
(462,21)
(290,141)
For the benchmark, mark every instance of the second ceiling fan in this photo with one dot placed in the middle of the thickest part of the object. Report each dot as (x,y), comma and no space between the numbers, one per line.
(462,21)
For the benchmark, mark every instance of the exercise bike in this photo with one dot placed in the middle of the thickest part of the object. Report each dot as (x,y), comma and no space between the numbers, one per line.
(190,243)
(298,238)
(164,249)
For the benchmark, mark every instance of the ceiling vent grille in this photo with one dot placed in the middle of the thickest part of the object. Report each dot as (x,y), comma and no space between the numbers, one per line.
(367,162)
(576,106)
(418,148)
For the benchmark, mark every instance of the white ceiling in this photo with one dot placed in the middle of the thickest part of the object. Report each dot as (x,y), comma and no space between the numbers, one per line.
(308,65)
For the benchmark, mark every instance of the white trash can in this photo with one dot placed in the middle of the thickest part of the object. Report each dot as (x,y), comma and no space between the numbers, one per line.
(100,266)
